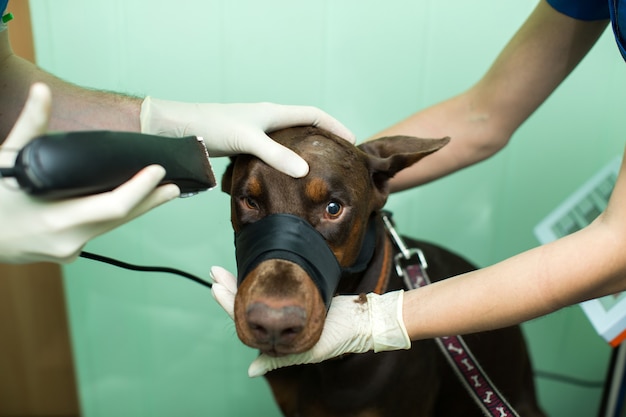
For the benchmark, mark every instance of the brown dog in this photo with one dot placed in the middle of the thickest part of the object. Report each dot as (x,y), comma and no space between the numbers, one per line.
(280,306)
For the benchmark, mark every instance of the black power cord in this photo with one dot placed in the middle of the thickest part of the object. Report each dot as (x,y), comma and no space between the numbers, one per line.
(133,267)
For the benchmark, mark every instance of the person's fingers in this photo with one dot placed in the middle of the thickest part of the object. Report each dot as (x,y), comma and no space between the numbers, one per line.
(76,232)
(264,363)
(120,202)
(308,115)
(276,155)
(162,194)
(224,277)
(33,119)
(225,298)
(68,258)
(260,366)
(224,289)
(135,190)
(113,220)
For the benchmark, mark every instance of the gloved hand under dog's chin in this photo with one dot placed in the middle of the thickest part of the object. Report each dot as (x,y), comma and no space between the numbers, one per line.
(354,324)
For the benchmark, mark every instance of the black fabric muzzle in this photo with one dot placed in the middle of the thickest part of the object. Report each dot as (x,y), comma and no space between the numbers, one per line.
(288,237)
(291,238)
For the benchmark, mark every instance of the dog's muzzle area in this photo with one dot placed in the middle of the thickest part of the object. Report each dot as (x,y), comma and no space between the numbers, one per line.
(288,237)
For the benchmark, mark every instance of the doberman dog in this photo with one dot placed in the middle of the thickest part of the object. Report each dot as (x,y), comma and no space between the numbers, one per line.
(280,308)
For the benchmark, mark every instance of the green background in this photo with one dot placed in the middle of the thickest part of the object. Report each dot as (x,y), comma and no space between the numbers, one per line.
(158,345)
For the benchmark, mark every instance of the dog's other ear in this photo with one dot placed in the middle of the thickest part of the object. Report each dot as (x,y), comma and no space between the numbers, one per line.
(390,154)
(227,177)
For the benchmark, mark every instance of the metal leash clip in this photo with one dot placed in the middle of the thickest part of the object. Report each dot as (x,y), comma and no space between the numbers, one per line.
(406,254)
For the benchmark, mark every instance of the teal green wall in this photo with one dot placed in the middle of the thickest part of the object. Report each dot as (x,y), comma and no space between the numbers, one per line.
(157,345)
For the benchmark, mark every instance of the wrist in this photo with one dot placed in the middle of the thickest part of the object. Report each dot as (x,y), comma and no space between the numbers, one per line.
(165,118)
(388,330)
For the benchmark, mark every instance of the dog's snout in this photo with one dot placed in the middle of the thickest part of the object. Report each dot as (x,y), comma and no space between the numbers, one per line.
(275,326)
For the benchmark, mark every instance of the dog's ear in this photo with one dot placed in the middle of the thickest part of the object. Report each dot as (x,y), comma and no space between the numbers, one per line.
(227,177)
(390,154)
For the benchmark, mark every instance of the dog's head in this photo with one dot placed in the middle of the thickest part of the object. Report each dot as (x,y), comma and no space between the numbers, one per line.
(322,219)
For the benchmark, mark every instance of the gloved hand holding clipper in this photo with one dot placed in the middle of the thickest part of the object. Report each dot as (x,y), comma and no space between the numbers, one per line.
(354,324)
(35,230)
(229,129)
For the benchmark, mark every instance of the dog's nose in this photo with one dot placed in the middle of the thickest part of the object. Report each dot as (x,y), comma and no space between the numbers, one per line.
(275,326)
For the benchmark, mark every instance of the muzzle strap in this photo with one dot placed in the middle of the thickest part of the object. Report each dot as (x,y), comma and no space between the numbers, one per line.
(288,237)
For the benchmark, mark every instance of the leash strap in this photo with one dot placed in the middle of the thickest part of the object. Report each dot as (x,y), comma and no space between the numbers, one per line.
(457,353)
(463,362)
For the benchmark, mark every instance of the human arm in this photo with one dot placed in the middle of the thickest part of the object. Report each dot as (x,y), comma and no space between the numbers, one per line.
(482,119)
(75,108)
(226,128)
(584,265)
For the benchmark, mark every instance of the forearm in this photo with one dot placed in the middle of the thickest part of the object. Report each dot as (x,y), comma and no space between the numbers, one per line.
(466,121)
(585,265)
(524,287)
(481,120)
(73,108)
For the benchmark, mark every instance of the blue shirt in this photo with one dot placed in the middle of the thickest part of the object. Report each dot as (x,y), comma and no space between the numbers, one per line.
(598,10)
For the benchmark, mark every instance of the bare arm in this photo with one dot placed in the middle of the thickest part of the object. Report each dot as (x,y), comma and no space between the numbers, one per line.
(73,107)
(481,120)
(587,264)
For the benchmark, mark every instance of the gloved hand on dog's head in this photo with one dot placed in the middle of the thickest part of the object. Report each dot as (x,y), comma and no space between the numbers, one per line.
(236,128)
(354,324)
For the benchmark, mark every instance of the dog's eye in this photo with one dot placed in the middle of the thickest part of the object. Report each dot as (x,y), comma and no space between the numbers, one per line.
(250,203)
(334,209)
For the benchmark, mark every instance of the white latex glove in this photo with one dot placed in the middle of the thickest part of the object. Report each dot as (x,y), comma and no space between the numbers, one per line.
(354,324)
(34,230)
(230,129)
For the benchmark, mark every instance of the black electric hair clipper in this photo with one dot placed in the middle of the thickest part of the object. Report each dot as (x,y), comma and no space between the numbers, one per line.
(72,164)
